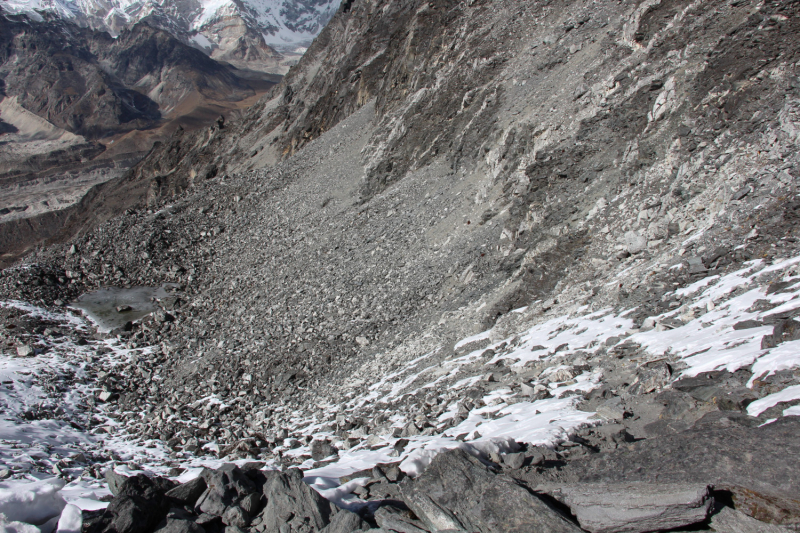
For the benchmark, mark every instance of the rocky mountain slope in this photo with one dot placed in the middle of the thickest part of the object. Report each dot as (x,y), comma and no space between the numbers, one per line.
(244,33)
(472,266)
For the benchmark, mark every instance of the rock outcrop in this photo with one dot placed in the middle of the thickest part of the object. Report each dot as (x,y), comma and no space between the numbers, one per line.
(456,492)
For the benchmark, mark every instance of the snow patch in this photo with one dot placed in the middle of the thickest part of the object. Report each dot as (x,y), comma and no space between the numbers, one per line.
(34,503)
(786,395)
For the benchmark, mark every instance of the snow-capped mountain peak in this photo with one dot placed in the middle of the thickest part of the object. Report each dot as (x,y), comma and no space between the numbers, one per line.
(230,30)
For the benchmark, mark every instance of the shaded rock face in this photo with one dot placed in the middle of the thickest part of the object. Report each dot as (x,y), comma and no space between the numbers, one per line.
(436,91)
(139,504)
(52,72)
(145,57)
(351,68)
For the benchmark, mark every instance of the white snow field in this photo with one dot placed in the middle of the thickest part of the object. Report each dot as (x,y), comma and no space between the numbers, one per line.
(696,337)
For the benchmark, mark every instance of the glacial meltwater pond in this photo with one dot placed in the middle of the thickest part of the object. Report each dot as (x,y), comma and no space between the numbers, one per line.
(112,307)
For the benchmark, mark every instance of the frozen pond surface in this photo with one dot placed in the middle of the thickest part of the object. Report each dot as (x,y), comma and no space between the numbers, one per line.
(102,305)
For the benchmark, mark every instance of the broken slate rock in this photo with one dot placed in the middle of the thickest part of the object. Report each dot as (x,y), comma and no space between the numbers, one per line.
(456,491)
(179,526)
(514,460)
(25,350)
(634,507)
(696,265)
(114,481)
(107,396)
(292,505)
(773,508)
(236,516)
(345,522)
(634,242)
(651,378)
(733,521)
(189,492)
(214,502)
(140,504)
(321,449)
(391,518)
(251,504)
(747,324)
(741,193)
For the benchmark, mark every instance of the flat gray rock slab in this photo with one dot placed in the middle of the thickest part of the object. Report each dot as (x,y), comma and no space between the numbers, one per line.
(633,507)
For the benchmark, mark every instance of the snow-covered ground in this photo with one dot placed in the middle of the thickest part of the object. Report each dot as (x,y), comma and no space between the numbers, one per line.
(57,435)
(49,426)
(73,438)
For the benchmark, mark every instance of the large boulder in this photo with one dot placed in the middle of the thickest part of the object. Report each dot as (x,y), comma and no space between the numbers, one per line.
(292,505)
(188,493)
(345,522)
(225,487)
(456,491)
(140,504)
(723,449)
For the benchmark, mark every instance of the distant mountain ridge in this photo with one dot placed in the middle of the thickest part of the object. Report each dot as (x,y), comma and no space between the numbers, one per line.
(79,107)
(92,85)
(242,32)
